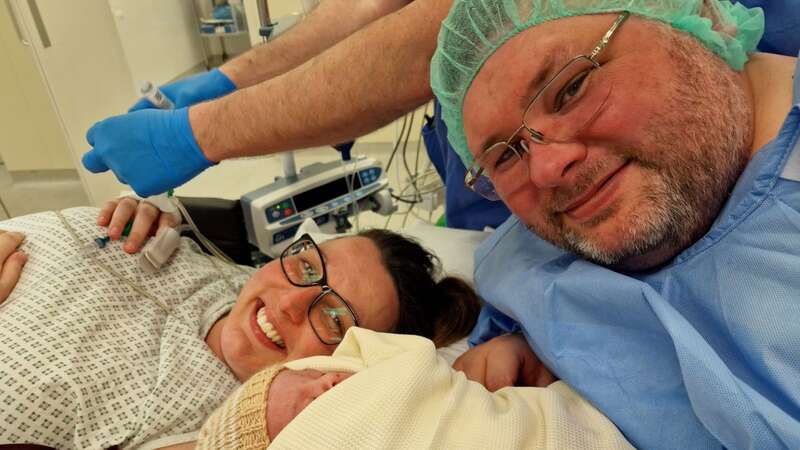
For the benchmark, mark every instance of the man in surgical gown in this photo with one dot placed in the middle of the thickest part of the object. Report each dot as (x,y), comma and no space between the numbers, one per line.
(653,259)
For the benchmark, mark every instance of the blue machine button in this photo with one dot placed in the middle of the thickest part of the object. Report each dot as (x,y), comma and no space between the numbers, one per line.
(273,215)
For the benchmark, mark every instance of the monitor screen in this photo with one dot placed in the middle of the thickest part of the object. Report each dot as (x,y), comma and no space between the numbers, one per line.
(324,193)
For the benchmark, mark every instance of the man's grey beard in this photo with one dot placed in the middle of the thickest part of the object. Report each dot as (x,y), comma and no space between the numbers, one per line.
(701,145)
(644,232)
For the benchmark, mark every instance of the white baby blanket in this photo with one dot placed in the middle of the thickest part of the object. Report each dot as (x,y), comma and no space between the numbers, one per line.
(411,399)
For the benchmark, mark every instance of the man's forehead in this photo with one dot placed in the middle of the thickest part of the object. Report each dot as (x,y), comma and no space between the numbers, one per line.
(522,65)
(514,73)
(550,43)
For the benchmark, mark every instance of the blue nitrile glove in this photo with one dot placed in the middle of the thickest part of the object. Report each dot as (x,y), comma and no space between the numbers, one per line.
(151,150)
(194,89)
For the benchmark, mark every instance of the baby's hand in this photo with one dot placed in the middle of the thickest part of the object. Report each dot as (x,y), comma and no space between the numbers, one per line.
(504,361)
(11,262)
(147,220)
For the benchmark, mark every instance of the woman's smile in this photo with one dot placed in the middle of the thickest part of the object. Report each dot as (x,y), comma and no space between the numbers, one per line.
(264,330)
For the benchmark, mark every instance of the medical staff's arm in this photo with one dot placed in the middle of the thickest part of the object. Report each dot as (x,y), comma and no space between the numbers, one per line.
(147,220)
(330,22)
(12,261)
(504,361)
(366,81)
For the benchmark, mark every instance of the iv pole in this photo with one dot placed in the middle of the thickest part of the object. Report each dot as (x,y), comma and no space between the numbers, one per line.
(265,30)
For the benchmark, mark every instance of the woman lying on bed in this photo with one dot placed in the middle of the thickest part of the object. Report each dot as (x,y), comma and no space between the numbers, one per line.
(96,353)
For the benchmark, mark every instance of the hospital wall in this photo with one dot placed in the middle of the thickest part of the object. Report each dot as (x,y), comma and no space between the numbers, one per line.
(144,26)
(99,53)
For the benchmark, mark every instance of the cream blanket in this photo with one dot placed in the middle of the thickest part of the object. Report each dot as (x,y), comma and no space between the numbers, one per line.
(411,399)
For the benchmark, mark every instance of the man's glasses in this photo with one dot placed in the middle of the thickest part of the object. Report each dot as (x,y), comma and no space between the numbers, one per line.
(330,314)
(566,104)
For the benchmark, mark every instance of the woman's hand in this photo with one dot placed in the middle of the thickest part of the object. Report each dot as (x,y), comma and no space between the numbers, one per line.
(147,220)
(11,261)
(504,361)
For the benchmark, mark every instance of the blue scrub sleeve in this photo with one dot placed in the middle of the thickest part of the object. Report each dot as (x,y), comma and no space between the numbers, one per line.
(491,323)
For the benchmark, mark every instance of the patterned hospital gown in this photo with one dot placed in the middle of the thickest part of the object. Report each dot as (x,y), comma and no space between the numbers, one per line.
(88,362)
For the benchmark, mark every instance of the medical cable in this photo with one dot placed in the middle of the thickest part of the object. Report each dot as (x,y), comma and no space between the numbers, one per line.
(420,178)
(213,249)
(397,143)
(413,178)
(421,138)
(404,154)
(415,181)
(349,180)
(414,198)
(395,147)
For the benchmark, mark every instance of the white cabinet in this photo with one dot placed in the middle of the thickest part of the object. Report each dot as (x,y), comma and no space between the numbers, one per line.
(33,138)
(81,61)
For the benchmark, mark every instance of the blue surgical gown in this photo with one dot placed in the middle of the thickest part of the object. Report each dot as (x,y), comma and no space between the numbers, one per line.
(702,353)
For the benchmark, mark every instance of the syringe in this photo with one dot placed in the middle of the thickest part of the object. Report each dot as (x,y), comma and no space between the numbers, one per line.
(155,96)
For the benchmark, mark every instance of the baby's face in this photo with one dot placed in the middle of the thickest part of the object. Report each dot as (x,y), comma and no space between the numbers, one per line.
(291,391)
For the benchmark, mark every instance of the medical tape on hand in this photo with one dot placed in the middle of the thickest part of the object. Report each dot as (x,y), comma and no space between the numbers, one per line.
(161,201)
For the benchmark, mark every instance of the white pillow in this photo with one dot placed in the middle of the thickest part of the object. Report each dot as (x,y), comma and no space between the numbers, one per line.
(455,248)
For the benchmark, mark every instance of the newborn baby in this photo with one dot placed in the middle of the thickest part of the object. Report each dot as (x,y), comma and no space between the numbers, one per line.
(400,395)
(292,390)
(254,415)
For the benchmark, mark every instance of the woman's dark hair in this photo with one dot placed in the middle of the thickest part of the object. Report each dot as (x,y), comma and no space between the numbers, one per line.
(443,311)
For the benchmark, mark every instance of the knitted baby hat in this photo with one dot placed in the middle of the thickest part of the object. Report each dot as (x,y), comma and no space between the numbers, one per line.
(240,423)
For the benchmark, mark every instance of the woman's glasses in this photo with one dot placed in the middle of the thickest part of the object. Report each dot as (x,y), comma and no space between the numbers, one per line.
(330,314)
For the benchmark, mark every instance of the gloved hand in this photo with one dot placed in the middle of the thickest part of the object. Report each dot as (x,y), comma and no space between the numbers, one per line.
(151,150)
(194,89)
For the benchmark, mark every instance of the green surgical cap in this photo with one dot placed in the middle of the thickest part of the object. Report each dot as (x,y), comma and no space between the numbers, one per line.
(475,29)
